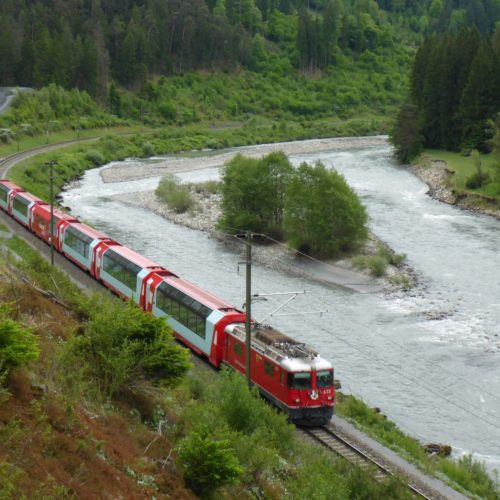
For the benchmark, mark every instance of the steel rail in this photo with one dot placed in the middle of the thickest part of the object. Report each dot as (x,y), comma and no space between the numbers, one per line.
(340,445)
(11,160)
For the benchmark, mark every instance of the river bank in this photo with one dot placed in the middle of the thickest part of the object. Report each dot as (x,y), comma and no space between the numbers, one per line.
(207,212)
(436,174)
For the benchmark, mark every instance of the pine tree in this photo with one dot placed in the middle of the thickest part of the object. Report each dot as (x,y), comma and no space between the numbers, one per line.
(481,97)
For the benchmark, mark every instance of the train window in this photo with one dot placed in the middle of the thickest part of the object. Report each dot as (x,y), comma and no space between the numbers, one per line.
(4,193)
(269,368)
(21,205)
(183,308)
(77,241)
(299,380)
(324,379)
(121,269)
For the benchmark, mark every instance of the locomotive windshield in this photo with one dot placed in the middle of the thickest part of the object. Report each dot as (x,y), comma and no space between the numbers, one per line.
(324,379)
(299,380)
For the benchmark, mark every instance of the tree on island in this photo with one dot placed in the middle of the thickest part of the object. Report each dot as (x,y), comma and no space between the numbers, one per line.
(312,207)
(323,215)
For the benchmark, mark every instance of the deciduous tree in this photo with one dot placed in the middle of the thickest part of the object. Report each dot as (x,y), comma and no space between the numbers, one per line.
(323,216)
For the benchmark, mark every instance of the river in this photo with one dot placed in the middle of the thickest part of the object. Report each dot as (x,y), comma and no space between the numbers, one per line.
(430,358)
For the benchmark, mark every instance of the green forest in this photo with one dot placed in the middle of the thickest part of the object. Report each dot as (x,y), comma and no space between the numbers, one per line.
(169,61)
(454,95)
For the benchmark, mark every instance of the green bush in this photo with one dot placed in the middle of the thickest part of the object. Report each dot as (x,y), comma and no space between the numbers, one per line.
(18,345)
(95,157)
(477,180)
(148,149)
(470,475)
(253,193)
(176,195)
(208,464)
(323,216)
(122,344)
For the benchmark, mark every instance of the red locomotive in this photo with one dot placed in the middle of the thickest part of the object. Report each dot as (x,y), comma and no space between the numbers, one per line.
(289,374)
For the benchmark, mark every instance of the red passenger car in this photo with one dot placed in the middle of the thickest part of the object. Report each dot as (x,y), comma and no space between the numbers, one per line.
(40,223)
(7,190)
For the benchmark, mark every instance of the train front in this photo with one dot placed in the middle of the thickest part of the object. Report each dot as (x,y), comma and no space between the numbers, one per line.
(311,393)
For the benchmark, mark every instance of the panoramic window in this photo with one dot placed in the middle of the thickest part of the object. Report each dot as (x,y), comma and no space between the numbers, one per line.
(299,380)
(77,241)
(183,308)
(121,269)
(21,205)
(4,193)
(324,379)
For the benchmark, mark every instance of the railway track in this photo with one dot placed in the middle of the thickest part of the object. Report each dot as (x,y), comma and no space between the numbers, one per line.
(11,160)
(341,445)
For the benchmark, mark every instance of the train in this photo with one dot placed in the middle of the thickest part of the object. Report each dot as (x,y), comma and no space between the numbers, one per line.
(289,374)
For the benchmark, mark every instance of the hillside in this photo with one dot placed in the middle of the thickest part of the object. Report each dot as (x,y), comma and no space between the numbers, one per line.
(285,61)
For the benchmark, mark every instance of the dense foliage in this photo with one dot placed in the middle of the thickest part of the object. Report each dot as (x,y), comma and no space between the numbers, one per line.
(122,345)
(311,206)
(18,344)
(253,193)
(323,215)
(454,93)
(87,44)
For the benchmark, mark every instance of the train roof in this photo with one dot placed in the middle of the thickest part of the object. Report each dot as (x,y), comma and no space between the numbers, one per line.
(11,185)
(58,213)
(30,197)
(289,353)
(199,294)
(89,231)
(134,257)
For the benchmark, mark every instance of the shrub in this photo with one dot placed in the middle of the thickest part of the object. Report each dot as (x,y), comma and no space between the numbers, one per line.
(176,195)
(122,344)
(148,149)
(18,345)
(167,110)
(95,157)
(253,193)
(322,212)
(207,463)
(477,180)
(470,475)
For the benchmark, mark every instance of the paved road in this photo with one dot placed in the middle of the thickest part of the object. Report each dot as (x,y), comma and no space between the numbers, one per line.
(7,94)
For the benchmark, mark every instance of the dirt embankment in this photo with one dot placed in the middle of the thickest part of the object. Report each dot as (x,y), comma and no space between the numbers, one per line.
(436,174)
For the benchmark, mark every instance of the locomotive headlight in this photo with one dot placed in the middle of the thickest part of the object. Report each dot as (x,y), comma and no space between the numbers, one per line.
(329,398)
(297,400)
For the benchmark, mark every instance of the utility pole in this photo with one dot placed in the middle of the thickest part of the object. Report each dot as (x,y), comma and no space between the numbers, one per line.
(248,307)
(51,164)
